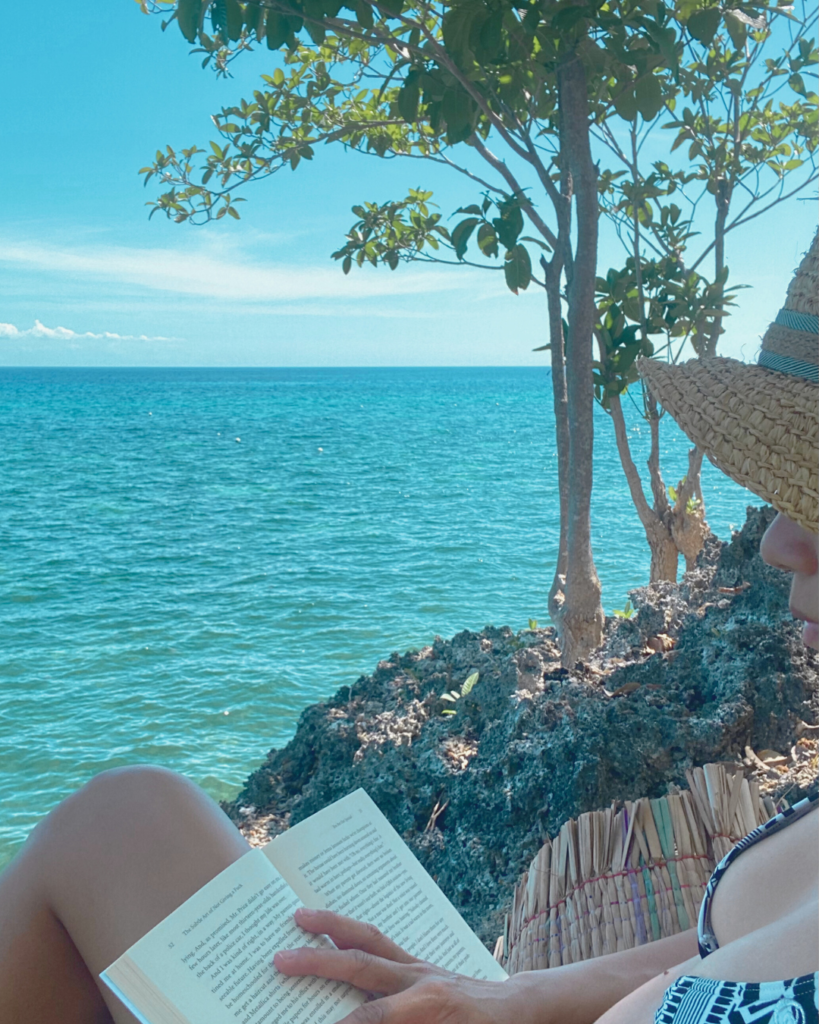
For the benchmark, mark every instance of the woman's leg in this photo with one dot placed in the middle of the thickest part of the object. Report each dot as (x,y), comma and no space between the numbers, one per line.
(101,870)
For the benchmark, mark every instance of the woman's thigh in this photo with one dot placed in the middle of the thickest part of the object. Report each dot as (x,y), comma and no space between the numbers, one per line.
(101,870)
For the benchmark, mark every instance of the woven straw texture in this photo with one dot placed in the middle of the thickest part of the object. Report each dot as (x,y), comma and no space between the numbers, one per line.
(619,878)
(757,425)
(803,291)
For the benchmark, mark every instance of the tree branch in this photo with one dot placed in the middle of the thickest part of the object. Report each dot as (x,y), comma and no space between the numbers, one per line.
(500,166)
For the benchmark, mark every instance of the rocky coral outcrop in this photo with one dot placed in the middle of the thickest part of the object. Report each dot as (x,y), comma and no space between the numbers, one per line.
(701,671)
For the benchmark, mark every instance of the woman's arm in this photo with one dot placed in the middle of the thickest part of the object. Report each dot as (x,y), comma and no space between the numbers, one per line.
(581,993)
(414,991)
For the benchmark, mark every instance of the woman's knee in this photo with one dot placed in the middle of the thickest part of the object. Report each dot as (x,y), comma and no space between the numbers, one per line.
(139,786)
(118,793)
(124,851)
(133,806)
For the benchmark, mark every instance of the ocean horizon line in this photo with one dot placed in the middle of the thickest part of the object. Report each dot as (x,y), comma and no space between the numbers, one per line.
(351,366)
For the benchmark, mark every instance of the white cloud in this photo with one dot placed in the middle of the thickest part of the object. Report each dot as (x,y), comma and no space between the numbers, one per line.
(39,330)
(228,275)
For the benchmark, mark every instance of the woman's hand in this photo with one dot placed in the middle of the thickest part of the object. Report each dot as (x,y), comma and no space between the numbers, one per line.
(411,991)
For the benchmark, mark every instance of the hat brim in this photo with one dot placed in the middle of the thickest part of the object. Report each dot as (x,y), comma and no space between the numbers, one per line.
(760,427)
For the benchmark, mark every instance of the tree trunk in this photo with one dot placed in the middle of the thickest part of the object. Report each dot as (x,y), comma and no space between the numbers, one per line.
(658,534)
(658,491)
(689,528)
(552,271)
(581,622)
(723,200)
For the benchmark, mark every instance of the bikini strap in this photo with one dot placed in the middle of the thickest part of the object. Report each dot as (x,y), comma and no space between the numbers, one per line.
(705,934)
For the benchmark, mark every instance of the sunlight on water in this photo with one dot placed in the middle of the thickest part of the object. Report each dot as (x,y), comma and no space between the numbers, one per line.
(190,557)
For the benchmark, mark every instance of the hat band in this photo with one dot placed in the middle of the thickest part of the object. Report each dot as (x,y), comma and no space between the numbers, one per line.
(793,367)
(807,322)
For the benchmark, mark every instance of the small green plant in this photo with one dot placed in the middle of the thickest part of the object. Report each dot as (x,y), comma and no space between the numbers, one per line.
(624,613)
(454,695)
(532,623)
(691,505)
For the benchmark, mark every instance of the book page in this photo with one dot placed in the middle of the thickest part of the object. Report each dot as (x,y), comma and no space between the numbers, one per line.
(348,858)
(209,962)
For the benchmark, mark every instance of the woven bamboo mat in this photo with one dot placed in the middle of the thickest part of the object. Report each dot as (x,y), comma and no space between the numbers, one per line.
(630,874)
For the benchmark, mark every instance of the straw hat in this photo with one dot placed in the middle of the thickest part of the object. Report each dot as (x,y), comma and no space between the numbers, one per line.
(759,424)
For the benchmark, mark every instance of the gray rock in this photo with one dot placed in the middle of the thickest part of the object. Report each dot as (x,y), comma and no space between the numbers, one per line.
(532,744)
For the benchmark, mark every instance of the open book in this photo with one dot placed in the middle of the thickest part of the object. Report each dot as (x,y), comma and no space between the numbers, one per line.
(209,962)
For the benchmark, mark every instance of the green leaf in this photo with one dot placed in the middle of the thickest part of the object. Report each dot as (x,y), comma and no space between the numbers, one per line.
(409,97)
(625,103)
(533,622)
(737,29)
(566,19)
(449,697)
(703,25)
(254,19)
(187,14)
(456,26)
(462,234)
(392,7)
(364,14)
(490,39)
(315,30)
(487,240)
(797,83)
(456,107)
(649,97)
(469,682)
(624,613)
(448,711)
(234,19)
(278,77)
(347,264)
(277,30)
(218,15)
(508,226)
(234,213)
(517,269)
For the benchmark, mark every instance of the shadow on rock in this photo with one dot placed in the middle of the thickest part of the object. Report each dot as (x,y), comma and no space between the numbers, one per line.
(703,668)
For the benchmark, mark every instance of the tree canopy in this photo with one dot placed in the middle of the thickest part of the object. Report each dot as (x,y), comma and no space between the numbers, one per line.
(543,110)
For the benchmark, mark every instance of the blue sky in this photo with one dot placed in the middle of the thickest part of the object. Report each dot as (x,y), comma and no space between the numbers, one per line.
(86,279)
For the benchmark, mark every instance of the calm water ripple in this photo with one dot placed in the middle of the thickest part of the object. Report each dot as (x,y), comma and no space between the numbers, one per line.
(189,557)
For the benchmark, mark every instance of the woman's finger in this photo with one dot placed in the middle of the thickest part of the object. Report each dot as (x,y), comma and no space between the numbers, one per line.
(348,933)
(389,1010)
(363,970)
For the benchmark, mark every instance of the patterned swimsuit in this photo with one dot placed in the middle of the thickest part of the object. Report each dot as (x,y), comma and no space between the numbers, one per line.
(692,1000)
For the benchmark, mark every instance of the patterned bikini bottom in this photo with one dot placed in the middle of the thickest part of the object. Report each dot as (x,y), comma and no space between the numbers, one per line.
(693,1000)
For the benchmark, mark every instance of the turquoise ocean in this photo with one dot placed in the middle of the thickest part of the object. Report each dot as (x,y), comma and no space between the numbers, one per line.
(190,557)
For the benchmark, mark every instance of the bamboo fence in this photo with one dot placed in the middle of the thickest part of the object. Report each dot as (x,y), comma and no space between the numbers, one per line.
(630,874)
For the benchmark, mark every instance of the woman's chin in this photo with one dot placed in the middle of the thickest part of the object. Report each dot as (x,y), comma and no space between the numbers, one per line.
(810,634)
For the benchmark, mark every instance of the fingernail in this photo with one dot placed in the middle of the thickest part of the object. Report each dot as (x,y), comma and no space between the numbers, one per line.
(305,912)
(283,957)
